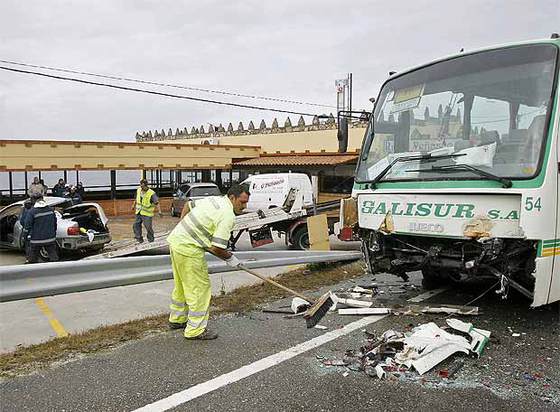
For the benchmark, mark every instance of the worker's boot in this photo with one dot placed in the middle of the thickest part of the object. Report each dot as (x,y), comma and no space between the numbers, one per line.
(206,335)
(175,325)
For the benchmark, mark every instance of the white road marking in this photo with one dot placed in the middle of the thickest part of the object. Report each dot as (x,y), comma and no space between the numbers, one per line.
(203,388)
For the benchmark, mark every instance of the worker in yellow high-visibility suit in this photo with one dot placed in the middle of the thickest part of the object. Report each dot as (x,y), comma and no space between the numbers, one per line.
(206,227)
(144,205)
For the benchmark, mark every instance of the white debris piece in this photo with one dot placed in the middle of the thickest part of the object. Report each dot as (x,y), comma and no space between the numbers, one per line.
(429,345)
(480,337)
(354,303)
(299,305)
(361,290)
(320,327)
(380,372)
(364,311)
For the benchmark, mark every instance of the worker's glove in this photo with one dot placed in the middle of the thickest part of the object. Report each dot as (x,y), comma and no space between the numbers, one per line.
(233,261)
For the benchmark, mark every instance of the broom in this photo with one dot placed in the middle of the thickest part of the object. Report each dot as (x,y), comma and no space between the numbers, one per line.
(316,311)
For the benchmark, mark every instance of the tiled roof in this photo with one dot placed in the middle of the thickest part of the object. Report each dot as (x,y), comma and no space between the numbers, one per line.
(299,159)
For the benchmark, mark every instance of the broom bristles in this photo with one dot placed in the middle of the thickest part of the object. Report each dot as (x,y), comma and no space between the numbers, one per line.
(319,309)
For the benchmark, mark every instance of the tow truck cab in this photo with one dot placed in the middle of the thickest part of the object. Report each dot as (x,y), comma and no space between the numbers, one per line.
(458,172)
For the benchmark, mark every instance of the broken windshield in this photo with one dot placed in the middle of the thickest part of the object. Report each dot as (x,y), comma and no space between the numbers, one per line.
(490,108)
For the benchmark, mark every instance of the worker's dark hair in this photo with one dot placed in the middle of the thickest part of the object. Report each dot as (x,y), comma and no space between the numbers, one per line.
(236,190)
(144,181)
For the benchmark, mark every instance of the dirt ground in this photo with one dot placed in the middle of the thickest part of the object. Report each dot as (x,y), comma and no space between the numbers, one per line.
(121,226)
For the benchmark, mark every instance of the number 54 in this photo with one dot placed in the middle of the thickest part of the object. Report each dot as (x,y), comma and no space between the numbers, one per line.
(533,203)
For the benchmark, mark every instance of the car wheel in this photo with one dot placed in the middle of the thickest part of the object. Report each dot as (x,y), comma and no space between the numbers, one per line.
(300,239)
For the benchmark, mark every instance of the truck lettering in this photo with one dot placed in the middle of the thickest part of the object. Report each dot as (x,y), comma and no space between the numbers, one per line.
(513,215)
(409,209)
(438,210)
(396,210)
(381,209)
(464,210)
(494,214)
(368,206)
(423,209)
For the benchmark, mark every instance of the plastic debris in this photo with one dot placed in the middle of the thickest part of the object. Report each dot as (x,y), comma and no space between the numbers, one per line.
(402,310)
(320,327)
(364,311)
(428,345)
(299,305)
(394,354)
(354,303)
(480,337)
(366,291)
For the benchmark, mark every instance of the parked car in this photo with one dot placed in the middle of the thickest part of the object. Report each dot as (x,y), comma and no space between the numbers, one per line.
(79,227)
(191,191)
(271,189)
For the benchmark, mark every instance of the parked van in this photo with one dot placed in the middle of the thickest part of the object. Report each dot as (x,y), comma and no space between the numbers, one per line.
(269,190)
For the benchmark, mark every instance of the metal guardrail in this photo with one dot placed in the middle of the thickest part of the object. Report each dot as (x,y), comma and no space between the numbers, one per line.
(43,279)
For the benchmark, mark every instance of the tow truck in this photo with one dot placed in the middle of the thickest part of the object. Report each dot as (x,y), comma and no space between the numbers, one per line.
(288,220)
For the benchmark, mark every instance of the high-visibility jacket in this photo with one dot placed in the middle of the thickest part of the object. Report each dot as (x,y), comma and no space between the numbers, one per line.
(208,224)
(144,205)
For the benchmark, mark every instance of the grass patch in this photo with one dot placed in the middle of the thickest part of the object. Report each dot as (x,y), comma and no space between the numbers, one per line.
(29,358)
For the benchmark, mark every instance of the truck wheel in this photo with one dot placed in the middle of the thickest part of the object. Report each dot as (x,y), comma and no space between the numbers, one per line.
(300,238)
(431,279)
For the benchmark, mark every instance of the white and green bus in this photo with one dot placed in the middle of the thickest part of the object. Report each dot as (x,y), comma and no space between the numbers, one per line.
(459,171)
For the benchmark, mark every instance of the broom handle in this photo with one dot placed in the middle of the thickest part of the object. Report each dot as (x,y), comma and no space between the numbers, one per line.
(278,285)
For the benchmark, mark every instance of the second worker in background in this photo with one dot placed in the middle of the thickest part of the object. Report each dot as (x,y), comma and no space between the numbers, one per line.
(144,205)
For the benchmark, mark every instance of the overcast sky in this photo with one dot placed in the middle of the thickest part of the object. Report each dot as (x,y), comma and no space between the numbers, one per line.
(286,49)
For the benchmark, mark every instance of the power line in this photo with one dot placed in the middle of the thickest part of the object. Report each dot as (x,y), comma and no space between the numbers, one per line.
(198,89)
(176,96)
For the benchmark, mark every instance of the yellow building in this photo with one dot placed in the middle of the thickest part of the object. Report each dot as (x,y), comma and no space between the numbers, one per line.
(315,137)
(303,148)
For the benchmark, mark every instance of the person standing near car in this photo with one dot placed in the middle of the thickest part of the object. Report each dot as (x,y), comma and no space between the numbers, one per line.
(40,224)
(36,188)
(81,190)
(27,205)
(74,196)
(205,228)
(144,205)
(59,190)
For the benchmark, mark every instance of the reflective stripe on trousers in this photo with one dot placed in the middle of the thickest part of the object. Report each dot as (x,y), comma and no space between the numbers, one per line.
(191,290)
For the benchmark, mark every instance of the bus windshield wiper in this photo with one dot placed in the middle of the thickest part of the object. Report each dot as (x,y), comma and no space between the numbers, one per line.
(457,168)
(425,157)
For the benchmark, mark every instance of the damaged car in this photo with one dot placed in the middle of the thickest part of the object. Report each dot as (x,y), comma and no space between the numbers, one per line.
(80,227)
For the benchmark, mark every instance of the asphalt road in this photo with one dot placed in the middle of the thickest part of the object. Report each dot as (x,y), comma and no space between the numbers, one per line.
(514,373)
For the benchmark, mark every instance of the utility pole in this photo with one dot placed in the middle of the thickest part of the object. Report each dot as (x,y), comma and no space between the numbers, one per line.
(350,92)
